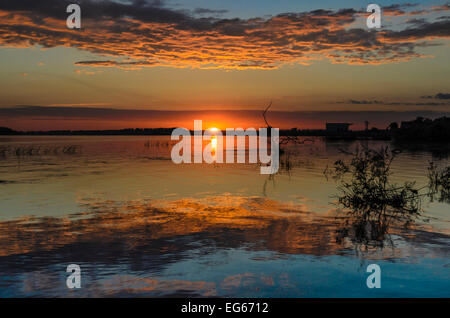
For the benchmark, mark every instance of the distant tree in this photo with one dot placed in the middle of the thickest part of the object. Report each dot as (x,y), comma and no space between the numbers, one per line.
(425,129)
(419,120)
(7,131)
(393,126)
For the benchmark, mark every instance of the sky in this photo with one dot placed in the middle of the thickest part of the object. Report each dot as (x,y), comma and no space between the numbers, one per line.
(163,63)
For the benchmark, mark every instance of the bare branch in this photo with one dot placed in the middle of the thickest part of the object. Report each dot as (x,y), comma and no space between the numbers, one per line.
(264,115)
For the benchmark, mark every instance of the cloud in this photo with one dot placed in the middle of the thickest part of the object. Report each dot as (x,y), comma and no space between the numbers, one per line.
(104,113)
(416,104)
(439,29)
(444,7)
(112,63)
(98,116)
(86,72)
(95,118)
(366,102)
(438,96)
(209,11)
(394,103)
(148,34)
(398,10)
(442,96)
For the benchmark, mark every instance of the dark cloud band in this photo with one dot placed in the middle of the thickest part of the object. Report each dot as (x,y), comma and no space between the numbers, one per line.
(151,34)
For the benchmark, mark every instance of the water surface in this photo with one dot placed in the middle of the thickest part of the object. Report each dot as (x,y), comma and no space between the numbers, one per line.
(140,225)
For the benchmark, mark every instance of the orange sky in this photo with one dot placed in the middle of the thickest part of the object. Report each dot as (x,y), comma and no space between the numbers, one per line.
(153,56)
(82,118)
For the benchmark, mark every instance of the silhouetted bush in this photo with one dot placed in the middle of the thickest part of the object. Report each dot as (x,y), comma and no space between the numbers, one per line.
(424,129)
(368,190)
(439,183)
(373,202)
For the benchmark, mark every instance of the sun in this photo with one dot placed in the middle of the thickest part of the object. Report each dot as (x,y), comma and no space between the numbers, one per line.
(214,138)
(214,143)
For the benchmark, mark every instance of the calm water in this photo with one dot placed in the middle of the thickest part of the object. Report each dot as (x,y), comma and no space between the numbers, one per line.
(139,225)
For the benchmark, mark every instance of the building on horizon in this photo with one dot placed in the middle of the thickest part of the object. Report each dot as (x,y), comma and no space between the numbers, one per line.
(338,127)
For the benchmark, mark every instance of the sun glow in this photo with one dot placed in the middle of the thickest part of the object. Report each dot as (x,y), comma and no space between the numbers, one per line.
(214,143)
(214,138)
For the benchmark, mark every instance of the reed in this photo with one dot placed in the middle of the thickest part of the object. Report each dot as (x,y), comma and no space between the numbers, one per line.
(38,150)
